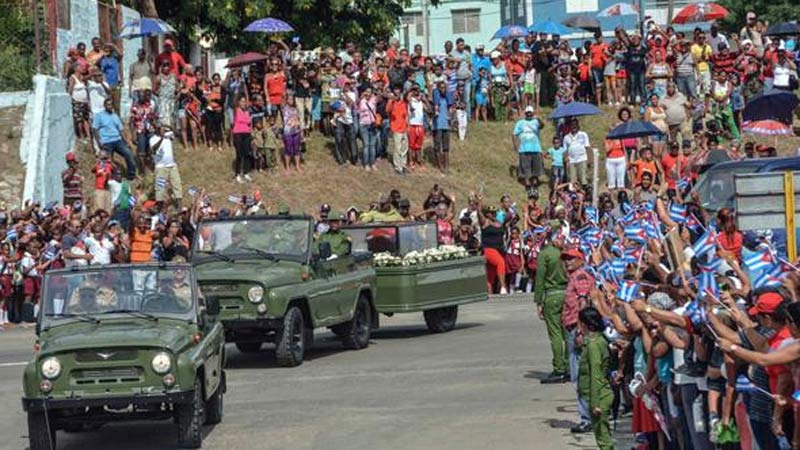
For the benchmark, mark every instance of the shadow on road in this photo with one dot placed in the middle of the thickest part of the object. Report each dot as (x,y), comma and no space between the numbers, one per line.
(127,435)
(536,375)
(404,332)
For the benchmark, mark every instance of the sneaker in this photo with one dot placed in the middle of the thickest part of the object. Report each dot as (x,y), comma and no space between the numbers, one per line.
(247,177)
(583,427)
(503,291)
(239,179)
(554,378)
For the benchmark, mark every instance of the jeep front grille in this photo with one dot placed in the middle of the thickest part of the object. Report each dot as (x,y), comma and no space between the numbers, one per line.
(108,376)
(89,356)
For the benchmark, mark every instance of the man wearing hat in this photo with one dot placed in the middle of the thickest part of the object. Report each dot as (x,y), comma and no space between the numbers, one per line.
(72,181)
(339,241)
(526,143)
(579,286)
(322,225)
(171,57)
(551,284)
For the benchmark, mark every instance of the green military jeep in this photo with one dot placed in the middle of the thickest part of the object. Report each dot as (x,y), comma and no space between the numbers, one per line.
(124,342)
(275,284)
(415,274)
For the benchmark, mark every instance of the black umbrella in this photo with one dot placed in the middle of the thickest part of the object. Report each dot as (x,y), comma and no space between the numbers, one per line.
(773,105)
(583,22)
(783,29)
(633,129)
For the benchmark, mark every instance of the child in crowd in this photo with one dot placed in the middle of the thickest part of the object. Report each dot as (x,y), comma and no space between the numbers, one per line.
(460,105)
(529,97)
(514,261)
(265,144)
(556,154)
(102,170)
(481,95)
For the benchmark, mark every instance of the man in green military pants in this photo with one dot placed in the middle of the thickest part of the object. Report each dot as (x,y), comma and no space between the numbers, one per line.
(551,284)
(338,239)
(593,383)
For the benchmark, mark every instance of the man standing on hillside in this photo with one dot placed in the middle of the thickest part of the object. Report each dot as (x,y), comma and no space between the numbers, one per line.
(108,132)
(72,181)
(526,143)
(397,108)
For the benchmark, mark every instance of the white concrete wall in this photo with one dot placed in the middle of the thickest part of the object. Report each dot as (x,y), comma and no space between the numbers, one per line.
(47,136)
(16,98)
(129,49)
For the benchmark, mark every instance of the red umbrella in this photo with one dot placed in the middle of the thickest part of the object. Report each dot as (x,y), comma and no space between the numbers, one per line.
(767,128)
(246,59)
(700,12)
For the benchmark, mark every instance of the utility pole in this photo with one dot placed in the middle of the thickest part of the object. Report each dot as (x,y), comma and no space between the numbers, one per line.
(670,11)
(426,29)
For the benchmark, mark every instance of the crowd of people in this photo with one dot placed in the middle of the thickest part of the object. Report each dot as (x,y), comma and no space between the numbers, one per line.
(654,306)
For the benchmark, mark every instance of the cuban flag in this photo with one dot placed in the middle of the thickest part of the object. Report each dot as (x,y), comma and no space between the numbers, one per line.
(629,291)
(618,267)
(770,278)
(693,223)
(132,201)
(192,191)
(743,384)
(646,207)
(684,183)
(678,213)
(636,233)
(591,214)
(541,229)
(705,244)
(652,230)
(11,234)
(30,228)
(707,281)
(50,253)
(161,183)
(598,278)
(234,198)
(762,259)
(591,235)
(696,313)
(633,255)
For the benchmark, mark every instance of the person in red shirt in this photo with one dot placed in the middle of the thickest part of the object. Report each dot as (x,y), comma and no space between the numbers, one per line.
(599,57)
(729,238)
(103,170)
(275,84)
(673,164)
(171,57)
(645,164)
(397,108)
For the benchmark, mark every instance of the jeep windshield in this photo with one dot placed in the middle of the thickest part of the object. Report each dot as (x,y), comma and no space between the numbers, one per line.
(269,238)
(116,291)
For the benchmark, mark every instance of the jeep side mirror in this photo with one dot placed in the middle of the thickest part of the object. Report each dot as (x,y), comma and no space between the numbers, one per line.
(212,306)
(324,250)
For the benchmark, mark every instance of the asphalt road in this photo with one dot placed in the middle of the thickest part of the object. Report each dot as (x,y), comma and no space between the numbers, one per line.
(476,387)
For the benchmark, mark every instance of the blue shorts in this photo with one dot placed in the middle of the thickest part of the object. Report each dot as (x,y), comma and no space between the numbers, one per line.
(597,76)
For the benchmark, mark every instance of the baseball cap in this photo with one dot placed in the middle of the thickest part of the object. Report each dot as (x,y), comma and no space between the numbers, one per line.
(767,303)
(572,253)
(480,47)
(70,157)
(325,208)
(495,54)
(529,109)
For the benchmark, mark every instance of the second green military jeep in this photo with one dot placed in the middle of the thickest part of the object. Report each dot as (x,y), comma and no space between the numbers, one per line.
(275,284)
(124,342)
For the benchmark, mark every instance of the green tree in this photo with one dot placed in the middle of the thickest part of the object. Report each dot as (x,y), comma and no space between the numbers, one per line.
(317,22)
(771,11)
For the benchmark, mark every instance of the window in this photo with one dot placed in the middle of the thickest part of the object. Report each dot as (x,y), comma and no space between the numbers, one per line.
(64,14)
(581,6)
(466,20)
(414,21)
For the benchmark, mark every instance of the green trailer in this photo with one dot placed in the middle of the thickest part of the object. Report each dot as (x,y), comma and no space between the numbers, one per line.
(413,274)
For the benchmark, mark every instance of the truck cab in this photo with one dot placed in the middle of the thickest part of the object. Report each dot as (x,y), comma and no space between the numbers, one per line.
(274,283)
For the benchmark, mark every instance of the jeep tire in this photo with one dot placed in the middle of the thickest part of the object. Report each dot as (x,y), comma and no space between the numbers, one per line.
(248,347)
(190,419)
(355,333)
(441,320)
(291,340)
(215,406)
(41,435)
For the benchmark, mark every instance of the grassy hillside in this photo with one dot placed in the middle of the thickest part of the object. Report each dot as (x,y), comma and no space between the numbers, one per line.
(486,156)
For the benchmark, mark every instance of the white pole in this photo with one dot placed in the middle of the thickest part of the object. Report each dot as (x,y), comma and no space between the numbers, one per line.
(426,27)
(595,178)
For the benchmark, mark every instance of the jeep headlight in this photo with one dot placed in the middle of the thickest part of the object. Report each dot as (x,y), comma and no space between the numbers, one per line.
(51,368)
(255,294)
(161,363)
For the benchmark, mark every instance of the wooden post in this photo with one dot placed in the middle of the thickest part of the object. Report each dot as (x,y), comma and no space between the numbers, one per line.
(791,231)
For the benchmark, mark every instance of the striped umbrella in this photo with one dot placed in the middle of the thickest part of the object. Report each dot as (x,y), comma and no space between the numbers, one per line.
(767,128)
(700,12)
(619,9)
(145,27)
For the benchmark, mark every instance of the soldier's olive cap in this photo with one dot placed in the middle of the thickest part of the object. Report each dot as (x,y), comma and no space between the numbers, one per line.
(403,202)
(283,209)
(335,215)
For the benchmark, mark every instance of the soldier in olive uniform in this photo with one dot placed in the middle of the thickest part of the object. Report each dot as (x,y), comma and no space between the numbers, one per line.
(593,383)
(339,240)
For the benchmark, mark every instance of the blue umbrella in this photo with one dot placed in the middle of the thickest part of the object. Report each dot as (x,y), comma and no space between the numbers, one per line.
(633,129)
(549,27)
(145,27)
(574,109)
(510,31)
(783,29)
(269,25)
(773,105)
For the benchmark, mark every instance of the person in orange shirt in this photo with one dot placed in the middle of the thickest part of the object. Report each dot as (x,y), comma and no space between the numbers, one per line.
(141,241)
(171,57)
(644,164)
(599,55)
(397,107)
(275,83)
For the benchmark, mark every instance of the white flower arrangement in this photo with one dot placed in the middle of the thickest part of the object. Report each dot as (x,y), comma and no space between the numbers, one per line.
(442,253)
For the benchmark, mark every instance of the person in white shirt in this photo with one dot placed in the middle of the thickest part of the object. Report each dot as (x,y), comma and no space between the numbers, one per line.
(715,38)
(100,246)
(577,144)
(167,175)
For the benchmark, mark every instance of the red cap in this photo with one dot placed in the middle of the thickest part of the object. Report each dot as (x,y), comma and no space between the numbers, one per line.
(71,157)
(572,253)
(767,303)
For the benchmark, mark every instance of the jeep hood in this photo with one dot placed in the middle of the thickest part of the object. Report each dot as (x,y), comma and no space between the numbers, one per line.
(271,273)
(170,334)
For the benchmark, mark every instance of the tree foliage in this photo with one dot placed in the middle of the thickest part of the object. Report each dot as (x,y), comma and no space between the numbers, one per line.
(316,22)
(771,11)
